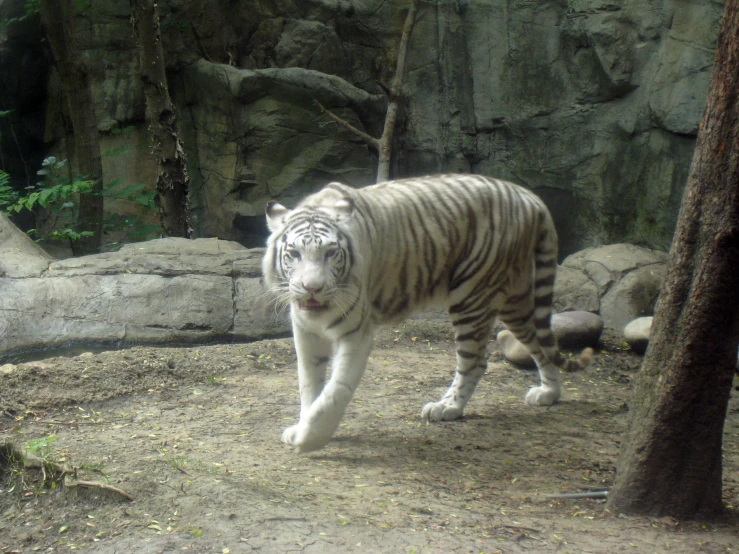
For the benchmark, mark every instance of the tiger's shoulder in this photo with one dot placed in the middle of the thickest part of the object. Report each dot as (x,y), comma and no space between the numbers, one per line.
(328,196)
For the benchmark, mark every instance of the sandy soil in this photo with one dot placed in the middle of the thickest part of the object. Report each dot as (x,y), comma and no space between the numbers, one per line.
(193,435)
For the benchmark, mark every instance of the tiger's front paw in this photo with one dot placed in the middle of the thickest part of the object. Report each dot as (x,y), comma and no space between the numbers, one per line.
(441,411)
(543,396)
(302,439)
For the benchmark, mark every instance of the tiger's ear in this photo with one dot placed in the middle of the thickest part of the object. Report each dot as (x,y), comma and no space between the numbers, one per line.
(276,214)
(344,208)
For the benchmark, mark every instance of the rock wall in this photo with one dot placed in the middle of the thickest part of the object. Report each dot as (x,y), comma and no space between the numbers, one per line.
(593,104)
(163,291)
(176,290)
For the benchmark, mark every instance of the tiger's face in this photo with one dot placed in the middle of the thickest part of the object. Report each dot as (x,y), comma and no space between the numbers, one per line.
(308,259)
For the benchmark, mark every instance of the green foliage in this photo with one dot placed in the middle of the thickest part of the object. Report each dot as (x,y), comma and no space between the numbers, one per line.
(83,6)
(54,193)
(122,131)
(69,234)
(41,447)
(8,195)
(31,8)
(117,151)
(133,229)
(58,196)
(37,454)
(52,189)
(132,193)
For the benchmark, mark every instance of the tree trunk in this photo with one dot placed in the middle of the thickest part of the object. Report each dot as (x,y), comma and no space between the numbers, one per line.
(172,181)
(59,20)
(385,143)
(670,460)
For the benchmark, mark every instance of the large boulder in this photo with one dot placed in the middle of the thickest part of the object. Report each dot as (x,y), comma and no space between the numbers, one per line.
(633,296)
(627,279)
(161,291)
(574,290)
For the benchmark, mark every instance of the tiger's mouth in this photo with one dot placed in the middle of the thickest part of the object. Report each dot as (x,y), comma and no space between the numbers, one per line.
(312,305)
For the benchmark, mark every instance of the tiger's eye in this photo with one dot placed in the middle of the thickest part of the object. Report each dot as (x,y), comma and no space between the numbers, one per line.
(331,253)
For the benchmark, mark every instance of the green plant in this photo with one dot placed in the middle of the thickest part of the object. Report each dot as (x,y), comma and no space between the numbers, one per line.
(31,7)
(37,454)
(42,447)
(55,194)
(133,193)
(8,195)
(133,229)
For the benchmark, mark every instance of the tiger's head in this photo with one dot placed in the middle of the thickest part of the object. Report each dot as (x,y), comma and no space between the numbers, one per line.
(309,258)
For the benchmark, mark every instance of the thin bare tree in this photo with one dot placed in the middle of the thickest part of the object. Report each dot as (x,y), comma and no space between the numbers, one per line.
(384,144)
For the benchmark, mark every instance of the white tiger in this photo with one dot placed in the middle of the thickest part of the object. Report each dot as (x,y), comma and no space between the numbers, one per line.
(349,259)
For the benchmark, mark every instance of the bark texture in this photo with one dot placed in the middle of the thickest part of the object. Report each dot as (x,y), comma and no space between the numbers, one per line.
(172,181)
(59,19)
(670,461)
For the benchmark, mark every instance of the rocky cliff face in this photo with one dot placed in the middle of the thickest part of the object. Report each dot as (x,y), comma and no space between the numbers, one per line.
(593,104)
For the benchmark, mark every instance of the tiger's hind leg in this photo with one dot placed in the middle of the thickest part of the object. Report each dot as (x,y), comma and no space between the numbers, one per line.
(531,326)
(472,332)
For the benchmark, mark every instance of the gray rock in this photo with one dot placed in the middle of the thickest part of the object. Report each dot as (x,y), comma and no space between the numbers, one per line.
(7,369)
(161,291)
(574,290)
(571,329)
(633,296)
(513,350)
(637,333)
(286,148)
(19,255)
(627,280)
(614,259)
(311,45)
(577,329)
(678,82)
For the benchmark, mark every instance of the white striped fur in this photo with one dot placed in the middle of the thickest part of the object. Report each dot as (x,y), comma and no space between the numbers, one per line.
(348,259)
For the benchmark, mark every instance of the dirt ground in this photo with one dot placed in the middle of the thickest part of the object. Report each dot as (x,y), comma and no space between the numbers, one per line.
(193,435)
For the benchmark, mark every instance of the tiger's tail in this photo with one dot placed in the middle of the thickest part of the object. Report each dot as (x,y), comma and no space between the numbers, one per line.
(545,271)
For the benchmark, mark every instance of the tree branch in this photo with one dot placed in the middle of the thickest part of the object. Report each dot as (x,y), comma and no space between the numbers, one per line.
(68,474)
(372,141)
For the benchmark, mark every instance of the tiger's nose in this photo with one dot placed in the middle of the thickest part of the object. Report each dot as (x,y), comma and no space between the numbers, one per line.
(312,288)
